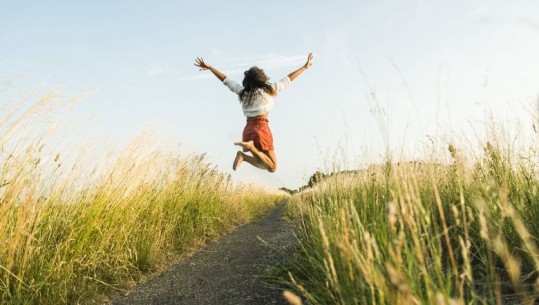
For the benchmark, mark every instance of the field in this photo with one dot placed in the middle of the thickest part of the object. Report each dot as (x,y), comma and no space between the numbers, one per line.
(456,228)
(77,225)
(75,228)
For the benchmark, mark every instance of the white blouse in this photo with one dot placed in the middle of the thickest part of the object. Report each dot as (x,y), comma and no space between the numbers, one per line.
(263,102)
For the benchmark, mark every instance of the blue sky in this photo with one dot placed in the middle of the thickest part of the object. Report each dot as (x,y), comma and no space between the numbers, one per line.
(384,71)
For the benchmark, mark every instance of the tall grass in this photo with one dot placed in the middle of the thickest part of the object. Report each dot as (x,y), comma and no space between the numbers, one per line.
(70,235)
(429,232)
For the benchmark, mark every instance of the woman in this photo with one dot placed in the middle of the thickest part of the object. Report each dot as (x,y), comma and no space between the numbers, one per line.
(256,96)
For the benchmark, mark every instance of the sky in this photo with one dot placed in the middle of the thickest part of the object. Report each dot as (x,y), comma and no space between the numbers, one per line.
(387,75)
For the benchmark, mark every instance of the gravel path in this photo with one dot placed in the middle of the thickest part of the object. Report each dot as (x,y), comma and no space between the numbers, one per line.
(226,271)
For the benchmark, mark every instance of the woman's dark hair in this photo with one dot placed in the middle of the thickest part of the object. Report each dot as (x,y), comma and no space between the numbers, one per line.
(253,79)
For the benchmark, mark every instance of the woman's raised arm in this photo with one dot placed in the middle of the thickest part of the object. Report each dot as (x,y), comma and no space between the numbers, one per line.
(306,66)
(199,62)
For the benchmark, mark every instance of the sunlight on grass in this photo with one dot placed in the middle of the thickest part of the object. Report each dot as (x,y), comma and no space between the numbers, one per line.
(457,228)
(72,230)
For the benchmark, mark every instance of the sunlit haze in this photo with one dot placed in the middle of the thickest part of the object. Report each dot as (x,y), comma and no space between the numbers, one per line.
(385,74)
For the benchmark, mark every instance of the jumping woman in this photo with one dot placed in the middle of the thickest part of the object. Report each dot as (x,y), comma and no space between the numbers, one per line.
(256,97)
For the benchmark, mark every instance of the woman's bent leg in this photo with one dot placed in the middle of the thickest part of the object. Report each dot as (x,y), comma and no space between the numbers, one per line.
(267,157)
(240,157)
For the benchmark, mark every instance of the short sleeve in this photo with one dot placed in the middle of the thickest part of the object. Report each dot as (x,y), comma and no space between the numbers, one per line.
(232,85)
(280,85)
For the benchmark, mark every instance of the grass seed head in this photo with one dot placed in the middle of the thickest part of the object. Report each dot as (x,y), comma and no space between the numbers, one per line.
(291,298)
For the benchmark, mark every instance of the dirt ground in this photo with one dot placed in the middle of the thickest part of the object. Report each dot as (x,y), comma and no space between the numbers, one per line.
(226,271)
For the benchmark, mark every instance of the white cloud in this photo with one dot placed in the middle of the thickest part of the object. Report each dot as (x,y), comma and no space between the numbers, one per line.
(531,24)
(201,75)
(485,15)
(159,68)
(270,61)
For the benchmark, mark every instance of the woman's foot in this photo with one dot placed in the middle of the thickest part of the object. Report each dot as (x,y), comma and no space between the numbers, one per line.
(238,160)
(247,146)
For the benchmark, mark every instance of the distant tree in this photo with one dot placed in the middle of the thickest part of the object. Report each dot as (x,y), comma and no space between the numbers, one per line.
(315,178)
(289,191)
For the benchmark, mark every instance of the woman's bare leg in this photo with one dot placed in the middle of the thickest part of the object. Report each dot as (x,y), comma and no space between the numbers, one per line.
(240,157)
(273,158)
(238,160)
(262,159)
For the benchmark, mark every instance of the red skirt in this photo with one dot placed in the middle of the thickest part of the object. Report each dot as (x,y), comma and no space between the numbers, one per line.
(259,132)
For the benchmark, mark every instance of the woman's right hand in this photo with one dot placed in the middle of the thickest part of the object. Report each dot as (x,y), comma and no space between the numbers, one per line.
(199,62)
(309,62)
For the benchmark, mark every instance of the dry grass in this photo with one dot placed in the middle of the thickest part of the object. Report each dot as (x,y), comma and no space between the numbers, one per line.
(73,230)
(459,232)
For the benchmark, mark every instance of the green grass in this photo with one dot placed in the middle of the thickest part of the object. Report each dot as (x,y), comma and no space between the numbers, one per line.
(458,232)
(70,236)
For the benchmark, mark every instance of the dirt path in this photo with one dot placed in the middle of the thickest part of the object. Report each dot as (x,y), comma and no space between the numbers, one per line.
(226,271)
